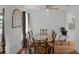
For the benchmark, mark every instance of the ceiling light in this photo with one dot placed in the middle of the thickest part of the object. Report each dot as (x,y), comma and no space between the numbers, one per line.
(47,10)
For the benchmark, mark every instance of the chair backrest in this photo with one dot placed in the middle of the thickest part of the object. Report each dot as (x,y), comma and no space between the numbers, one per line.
(30,34)
(63,31)
(53,35)
(40,46)
(53,39)
(43,31)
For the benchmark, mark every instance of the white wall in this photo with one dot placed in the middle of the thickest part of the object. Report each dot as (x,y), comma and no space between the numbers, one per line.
(77,29)
(69,15)
(51,20)
(13,36)
(75,11)
(71,32)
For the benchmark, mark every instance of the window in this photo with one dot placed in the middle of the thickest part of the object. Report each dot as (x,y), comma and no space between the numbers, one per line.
(1,23)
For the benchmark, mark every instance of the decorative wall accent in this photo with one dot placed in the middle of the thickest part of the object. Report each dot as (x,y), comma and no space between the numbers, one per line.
(16,18)
(72,24)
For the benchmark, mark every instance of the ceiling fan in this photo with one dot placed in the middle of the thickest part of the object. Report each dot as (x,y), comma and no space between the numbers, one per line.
(50,7)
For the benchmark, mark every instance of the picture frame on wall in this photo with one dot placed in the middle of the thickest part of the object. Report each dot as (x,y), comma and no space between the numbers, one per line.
(16,18)
(72,24)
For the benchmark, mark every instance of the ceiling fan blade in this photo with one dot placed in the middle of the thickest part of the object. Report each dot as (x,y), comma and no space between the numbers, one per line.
(50,7)
(55,8)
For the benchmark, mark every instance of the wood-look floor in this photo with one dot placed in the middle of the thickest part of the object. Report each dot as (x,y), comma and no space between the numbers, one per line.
(59,48)
(65,47)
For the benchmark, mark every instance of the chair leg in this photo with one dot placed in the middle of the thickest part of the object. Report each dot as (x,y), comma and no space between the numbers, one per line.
(49,50)
(52,50)
(61,42)
(68,42)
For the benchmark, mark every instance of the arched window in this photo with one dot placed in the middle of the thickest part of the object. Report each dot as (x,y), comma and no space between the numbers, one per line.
(16,18)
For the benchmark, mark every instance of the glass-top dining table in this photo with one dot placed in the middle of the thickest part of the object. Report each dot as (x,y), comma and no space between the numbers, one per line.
(42,37)
(40,40)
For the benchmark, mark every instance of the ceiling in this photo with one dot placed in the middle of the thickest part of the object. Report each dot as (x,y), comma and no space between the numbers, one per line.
(62,7)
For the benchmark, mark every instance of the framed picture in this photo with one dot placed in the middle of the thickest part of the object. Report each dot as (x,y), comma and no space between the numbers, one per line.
(16,18)
(72,24)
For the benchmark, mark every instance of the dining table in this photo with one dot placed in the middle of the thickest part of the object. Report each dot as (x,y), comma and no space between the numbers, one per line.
(42,37)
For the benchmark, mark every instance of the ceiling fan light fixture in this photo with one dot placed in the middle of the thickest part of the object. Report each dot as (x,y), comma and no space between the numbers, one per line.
(50,7)
(47,9)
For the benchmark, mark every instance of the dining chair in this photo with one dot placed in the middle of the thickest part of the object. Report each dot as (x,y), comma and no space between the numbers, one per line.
(22,51)
(24,43)
(30,33)
(30,47)
(43,31)
(53,35)
(52,44)
(41,46)
(63,35)
(26,47)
